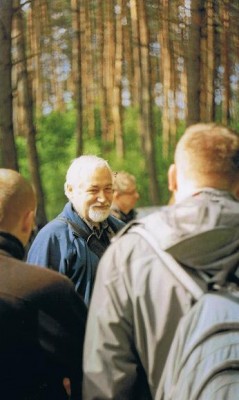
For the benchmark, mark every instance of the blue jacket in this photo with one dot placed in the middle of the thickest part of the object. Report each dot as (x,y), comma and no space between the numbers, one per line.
(57,247)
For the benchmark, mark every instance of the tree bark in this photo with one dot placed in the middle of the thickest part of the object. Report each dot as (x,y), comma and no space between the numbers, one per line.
(193,63)
(76,72)
(25,99)
(135,52)
(8,154)
(225,62)
(117,90)
(146,115)
(108,66)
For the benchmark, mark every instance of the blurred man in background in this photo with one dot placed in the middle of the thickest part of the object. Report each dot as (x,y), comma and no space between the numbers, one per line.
(125,197)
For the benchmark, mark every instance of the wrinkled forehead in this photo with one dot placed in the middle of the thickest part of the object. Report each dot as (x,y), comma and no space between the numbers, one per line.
(99,177)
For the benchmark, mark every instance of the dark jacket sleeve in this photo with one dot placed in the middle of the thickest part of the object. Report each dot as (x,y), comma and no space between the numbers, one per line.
(61,329)
(42,333)
(56,247)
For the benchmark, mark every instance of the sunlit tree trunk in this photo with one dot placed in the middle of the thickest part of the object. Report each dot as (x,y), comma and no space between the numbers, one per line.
(146,103)
(101,98)
(58,103)
(117,103)
(76,72)
(173,46)
(203,67)
(207,62)
(193,63)
(108,65)
(25,99)
(128,47)
(183,39)
(166,69)
(34,24)
(135,52)
(88,76)
(225,62)
(8,154)
(211,60)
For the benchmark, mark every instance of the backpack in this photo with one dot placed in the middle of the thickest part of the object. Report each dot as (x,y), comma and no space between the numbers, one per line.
(203,361)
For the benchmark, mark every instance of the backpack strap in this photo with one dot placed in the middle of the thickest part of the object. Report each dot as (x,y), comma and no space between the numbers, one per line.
(173,266)
(91,239)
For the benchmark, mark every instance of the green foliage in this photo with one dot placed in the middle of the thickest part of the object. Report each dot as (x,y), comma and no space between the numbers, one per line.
(55,144)
(56,148)
(134,161)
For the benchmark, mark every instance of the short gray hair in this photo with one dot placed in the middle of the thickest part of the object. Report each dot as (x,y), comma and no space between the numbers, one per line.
(84,164)
(123,180)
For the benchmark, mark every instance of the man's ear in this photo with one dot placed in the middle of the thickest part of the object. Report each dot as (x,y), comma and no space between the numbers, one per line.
(68,190)
(25,227)
(116,194)
(172,178)
(28,222)
(236,191)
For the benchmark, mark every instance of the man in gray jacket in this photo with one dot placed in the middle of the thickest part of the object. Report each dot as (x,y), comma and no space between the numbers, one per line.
(137,302)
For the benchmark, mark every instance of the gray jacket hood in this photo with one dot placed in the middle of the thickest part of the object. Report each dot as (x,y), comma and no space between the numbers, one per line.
(202,232)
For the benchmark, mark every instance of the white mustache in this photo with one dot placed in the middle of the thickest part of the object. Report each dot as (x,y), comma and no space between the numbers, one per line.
(100,205)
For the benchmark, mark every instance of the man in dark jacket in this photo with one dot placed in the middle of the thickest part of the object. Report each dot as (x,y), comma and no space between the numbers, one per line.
(74,241)
(137,302)
(42,319)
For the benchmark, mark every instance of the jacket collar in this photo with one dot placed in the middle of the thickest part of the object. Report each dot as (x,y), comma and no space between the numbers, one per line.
(11,245)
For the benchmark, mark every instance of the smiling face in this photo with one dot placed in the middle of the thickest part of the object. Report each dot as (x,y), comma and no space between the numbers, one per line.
(92,195)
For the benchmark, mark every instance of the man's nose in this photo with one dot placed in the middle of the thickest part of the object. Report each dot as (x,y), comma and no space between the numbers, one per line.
(102,196)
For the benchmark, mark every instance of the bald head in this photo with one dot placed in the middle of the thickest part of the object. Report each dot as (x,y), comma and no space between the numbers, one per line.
(17,204)
(207,155)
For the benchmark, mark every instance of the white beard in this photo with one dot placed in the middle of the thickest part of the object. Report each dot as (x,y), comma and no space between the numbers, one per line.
(98,215)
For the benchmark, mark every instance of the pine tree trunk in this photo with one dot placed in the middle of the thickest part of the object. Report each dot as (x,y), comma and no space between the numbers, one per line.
(146,116)
(117,103)
(225,62)
(25,99)
(8,154)
(193,63)
(76,72)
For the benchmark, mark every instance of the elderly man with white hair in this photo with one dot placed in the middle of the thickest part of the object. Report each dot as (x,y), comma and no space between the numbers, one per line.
(75,240)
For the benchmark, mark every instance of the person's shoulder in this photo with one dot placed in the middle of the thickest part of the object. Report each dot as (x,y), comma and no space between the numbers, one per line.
(129,240)
(115,222)
(53,292)
(30,281)
(44,275)
(115,212)
(56,227)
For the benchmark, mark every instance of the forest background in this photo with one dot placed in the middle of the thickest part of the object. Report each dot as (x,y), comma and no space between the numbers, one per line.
(117,78)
